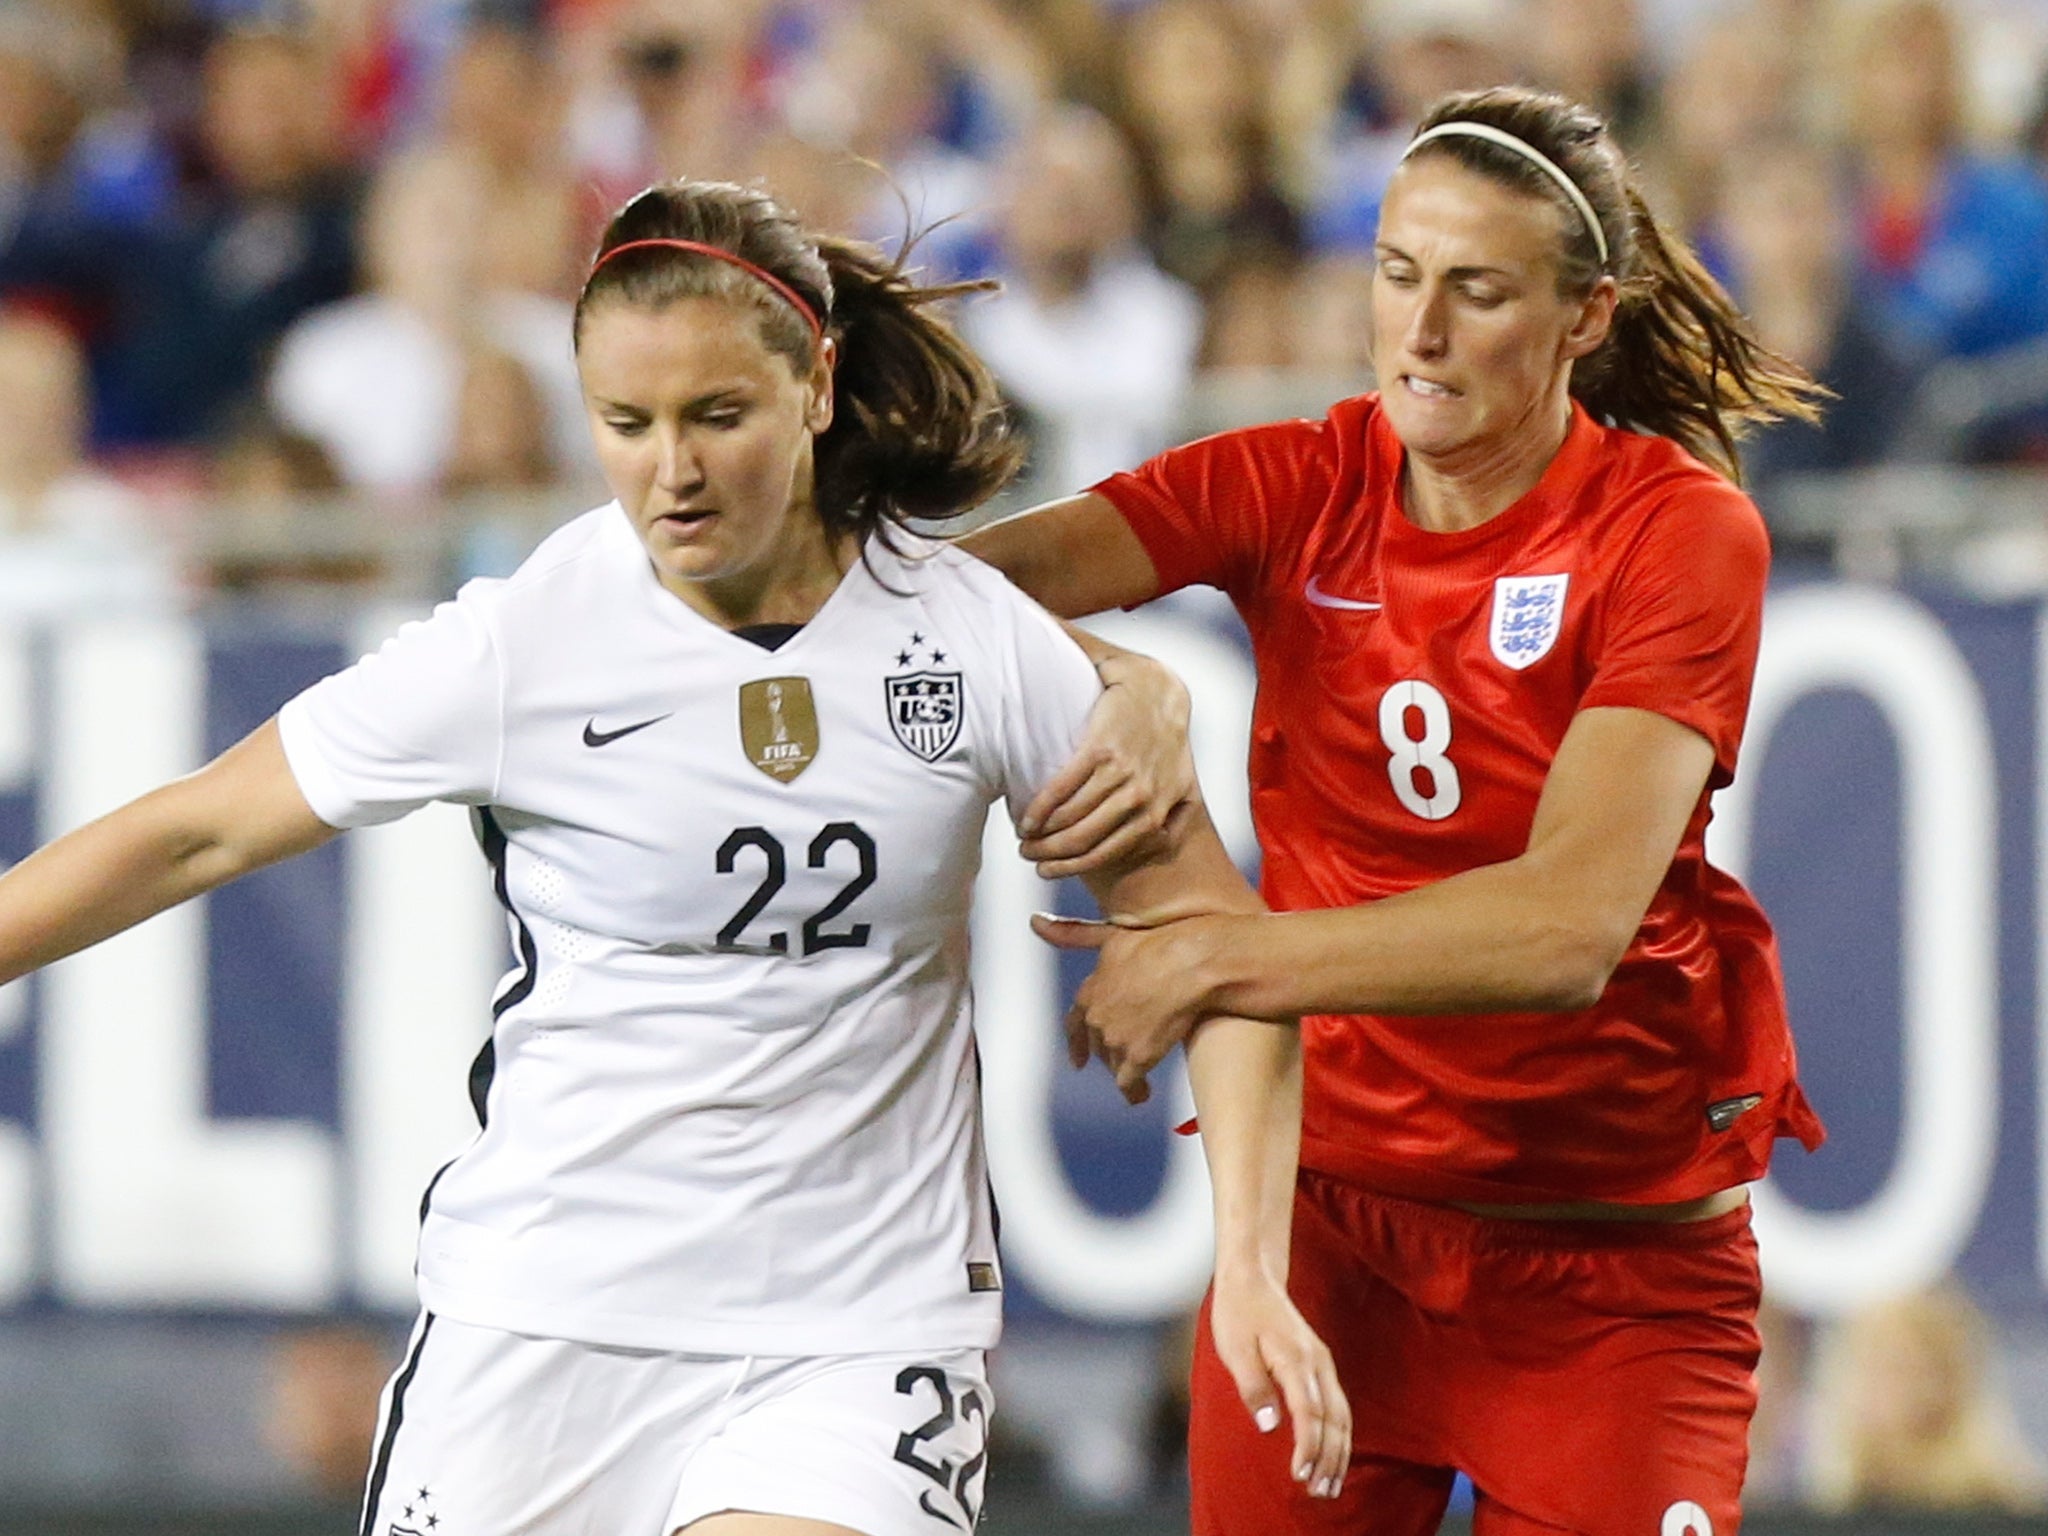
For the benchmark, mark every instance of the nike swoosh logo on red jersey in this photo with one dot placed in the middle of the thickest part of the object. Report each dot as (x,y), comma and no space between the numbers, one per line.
(1315,594)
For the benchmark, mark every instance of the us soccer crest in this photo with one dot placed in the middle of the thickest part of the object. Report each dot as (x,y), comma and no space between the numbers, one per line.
(1528,613)
(924,712)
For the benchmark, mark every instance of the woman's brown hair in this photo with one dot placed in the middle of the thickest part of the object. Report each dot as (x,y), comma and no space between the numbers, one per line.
(1681,361)
(918,426)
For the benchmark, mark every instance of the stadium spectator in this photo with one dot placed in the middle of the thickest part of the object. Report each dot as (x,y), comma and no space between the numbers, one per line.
(662,88)
(505,103)
(1786,232)
(1733,86)
(72,540)
(1423,50)
(501,438)
(1777,1448)
(376,378)
(74,170)
(1092,339)
(261,234)
(325,1380)
(934,93)
(1592,51)
(1953,242)
(1333,318)
(181,290)
(1909,1413)
(1248,321)
(1194,97)
(266,485)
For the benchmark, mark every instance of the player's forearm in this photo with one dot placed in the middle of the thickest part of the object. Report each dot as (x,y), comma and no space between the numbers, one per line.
(1246,1076)
(105,877)
(1503,938)
(1192,877)
(240,812)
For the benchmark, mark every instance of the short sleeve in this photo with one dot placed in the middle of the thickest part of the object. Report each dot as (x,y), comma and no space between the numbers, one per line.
(1208,513)
(419,719)
(1685,616)
(1052,688)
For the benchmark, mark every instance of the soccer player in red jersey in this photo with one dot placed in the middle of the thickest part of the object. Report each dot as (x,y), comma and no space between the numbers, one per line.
(1505,613)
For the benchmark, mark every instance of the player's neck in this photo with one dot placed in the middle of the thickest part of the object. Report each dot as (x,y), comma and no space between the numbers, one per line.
(1476,482)
(789,586)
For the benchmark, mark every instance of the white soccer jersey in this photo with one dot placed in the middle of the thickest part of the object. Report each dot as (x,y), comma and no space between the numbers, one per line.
(730,1101)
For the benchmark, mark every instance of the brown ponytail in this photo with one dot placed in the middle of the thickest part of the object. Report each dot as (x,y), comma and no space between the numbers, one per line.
(1681,360)
(918,427)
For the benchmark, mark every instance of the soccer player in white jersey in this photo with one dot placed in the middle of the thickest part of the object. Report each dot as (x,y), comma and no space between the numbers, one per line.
(722,1256)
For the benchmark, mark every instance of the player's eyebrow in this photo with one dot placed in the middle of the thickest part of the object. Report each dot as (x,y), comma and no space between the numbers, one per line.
(711,397)
(1384,248)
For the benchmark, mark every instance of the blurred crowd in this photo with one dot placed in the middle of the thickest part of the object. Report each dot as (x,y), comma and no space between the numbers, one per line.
(256,251)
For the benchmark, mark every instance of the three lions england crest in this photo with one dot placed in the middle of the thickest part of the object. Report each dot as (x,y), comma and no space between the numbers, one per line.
(1528,613)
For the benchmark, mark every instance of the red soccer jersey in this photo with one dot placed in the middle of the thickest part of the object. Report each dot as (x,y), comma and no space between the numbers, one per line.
(1413,689)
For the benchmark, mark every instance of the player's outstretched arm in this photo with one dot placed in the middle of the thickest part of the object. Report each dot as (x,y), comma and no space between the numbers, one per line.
(1246,1077)
(1539,932)
(240,812)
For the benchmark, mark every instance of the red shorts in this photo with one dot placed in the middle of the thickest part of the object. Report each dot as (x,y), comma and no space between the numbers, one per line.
(1595,1378)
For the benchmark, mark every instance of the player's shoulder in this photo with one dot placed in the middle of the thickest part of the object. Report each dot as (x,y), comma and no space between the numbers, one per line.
(943,574)
(979,609)
(1651,481)
(1300,443)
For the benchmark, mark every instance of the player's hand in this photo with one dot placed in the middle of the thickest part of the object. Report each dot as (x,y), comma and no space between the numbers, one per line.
(1276,1359)
(1143,997)
(1112,803)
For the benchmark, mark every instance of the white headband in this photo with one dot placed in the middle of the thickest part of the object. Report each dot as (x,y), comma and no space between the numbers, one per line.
(1528,152)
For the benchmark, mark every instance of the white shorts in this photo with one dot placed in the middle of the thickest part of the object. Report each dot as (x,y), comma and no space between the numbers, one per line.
(484,1433)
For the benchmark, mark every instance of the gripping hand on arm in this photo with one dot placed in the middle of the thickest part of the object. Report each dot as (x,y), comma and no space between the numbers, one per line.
(1132,772)
(1111,803)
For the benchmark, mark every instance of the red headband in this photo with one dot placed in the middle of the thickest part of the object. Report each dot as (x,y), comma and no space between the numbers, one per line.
(719,253)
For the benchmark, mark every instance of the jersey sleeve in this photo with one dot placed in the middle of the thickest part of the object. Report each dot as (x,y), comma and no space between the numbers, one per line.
(1685,617)
(1209,513)
(420,719)
(1051,687)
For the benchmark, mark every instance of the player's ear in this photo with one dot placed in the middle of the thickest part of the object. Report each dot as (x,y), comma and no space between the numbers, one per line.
(1594,320)
(818,410)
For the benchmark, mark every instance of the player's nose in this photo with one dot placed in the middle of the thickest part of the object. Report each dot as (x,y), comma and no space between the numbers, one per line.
(1428,332)
(677,466)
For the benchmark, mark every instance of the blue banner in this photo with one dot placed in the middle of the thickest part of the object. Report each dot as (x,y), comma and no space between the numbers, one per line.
(234,1107)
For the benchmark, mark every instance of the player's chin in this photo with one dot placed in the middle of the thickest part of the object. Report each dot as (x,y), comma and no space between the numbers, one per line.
(1431,426)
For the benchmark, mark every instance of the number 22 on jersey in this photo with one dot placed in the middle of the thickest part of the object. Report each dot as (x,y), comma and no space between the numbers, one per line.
(774,860)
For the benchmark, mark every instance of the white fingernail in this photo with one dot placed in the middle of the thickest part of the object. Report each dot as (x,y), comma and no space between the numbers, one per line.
(1267,1418)
(1326,1489)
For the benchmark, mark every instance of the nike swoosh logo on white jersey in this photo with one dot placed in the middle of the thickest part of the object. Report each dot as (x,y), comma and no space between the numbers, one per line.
(1315,594)
(593,737)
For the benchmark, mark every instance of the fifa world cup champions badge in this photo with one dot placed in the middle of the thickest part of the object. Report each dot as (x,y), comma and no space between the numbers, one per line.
(779,725)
